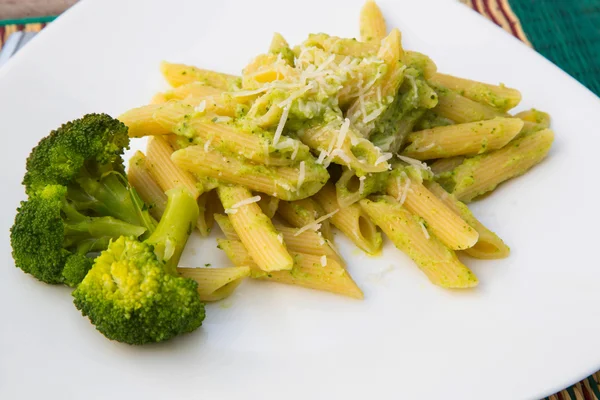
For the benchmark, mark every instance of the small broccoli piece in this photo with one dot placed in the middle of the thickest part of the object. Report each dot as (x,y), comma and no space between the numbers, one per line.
(85,156)
(133,293)
(51,239)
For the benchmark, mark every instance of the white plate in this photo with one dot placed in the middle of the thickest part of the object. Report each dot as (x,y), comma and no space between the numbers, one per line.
(528,330)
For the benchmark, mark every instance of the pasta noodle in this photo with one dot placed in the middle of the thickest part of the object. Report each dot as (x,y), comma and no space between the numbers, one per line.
(481,174)
(351,220)
(441,221)
(372,23)
(497,96)
(216,283)
(255,229)
(470,138)
(314,272)
(489,245)
(440,264)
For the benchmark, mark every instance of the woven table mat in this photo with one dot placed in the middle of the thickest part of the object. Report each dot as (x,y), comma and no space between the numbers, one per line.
(566,32)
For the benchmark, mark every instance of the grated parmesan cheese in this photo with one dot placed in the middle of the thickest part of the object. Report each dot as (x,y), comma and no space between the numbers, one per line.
(383,158)
(244,202)
(361,184)
(207,145)
(281,125)
(280,238)
(322,156)
(342,155)
(315,225)
(201,106)
(405,189)
(302,174)
(321,240)
(218,120)
(414,163)
(341,138)
(428,147)
(296,148)
(323,261)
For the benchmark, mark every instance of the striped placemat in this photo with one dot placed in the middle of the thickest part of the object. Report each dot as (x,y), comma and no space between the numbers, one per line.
(567,33)
(10,26)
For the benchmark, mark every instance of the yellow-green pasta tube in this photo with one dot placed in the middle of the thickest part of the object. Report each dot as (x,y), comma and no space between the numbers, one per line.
(180,74)
(460,109)
(372,23)
(408,234)
(301,213)
(164,171)
(498,96)
(489,245)
(452,230)
(310,271)
(351,188)
(139,177)
(351,220)
(469,139)
(481,174)
(286,183)
(255,229)
(216,283)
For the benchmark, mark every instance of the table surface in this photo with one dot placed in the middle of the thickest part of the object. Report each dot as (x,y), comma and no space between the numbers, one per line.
(15,9)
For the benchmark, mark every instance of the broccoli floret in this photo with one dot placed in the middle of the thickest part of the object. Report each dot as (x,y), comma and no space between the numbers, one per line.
(85,156)
(79,199)
(51,239)
(133,293)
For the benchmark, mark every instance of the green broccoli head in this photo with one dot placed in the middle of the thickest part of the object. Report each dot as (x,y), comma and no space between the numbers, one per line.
(51,240)
(95,141)
(130,297)
(85,156)
(133,293)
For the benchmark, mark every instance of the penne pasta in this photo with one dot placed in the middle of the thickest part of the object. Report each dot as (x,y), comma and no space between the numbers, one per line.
(446,164)
(255,229)
(365,110)
(325,140)
(140,178)
(216,283)
(489,245)
(308,241)
(342,46)
(205,218)
(497,96)
(310,271)
(460,109)
(351,188)
(301,213)
(534,120)
(282,182)
(180,74)
(421,62)
(406,231)
(440,220)
(192,89)
(481,174)
(470,138)
(372,23)
(164,172)
(181,119)
(140,121)
(268,205)
(351,220)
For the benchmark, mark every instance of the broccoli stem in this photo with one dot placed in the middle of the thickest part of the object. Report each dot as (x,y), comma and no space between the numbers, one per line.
(112,196)
(98,227)
(174,228)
